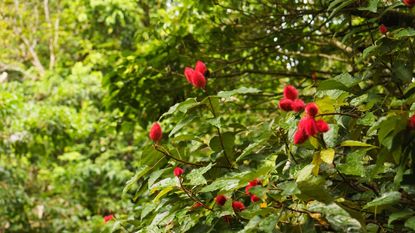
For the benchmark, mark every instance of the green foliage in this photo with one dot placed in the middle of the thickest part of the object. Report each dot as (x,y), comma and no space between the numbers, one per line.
(83,80)
(353,176)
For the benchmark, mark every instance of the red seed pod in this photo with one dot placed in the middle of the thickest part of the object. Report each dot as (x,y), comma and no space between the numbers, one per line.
(290,92)
(308,124)
(254,198)
(188,72)
(298,105)
(178,171)
(220,200)
(300,136)
(254,182)
(285,104)
(197,205)
(251,184)
(108,218)
(383,29)
(311,109)
(247,188)
(411,122)
(322,126)
(238,206)
(201,67)
(198,80)
(155,132)
(314,75)
(409,3)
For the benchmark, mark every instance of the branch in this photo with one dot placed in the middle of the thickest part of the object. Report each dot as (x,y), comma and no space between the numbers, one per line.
(270,72)
(189,194)
(167,154)
(30,46)
(220,135)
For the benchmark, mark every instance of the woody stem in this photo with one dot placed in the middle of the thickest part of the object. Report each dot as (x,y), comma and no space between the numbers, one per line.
(189,194)
(338,113)
(219,134)
(167,154)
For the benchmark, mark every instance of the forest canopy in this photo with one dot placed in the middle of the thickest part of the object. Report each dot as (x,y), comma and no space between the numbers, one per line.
(207,116)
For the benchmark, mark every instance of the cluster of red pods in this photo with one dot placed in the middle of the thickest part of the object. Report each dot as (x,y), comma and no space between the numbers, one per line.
(308,125)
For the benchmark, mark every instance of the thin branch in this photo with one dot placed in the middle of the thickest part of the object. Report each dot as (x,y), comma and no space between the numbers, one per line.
(338,113)
(167,154)
(189,194)
(220,135)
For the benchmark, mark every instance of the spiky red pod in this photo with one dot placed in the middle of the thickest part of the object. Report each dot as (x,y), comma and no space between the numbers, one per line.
(411,122)
(238,206)
(198,80)
(220,200)
(254,198)
(247,188)
(383,29)
(311,109)
(285,104)
(251,184)
(188,72)
(108,218)
(178,171)
(308,124)
(300,136)
(409,3)
(155,132)
(290,92)
(201,67)
(322,126)
(197,205)
(255,182)
(297,105)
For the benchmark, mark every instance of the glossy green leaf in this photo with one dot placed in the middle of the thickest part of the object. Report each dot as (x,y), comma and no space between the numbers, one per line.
(388,198)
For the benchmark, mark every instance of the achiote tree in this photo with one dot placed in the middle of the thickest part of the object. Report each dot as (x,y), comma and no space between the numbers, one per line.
(296,117)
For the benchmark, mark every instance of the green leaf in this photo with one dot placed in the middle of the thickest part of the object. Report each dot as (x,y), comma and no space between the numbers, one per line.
(353,143)
(339,219)
(181,107)
(316,162)
(156,174)
(399,215)
(140,173)
(327,155)
(332,85)
(221,184)
(71,156)
(313,187)
(252,225)
(341,82)
(241,90)
(162,193)
(228,141)
(216,122)
(289,188)
(304,173)
(354,163)
(182,123)
(212,102)
(338,5)
(196,175)
(372,6)
(403,32)
(369,51)
(410,223)
(388,198)
(347,80)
